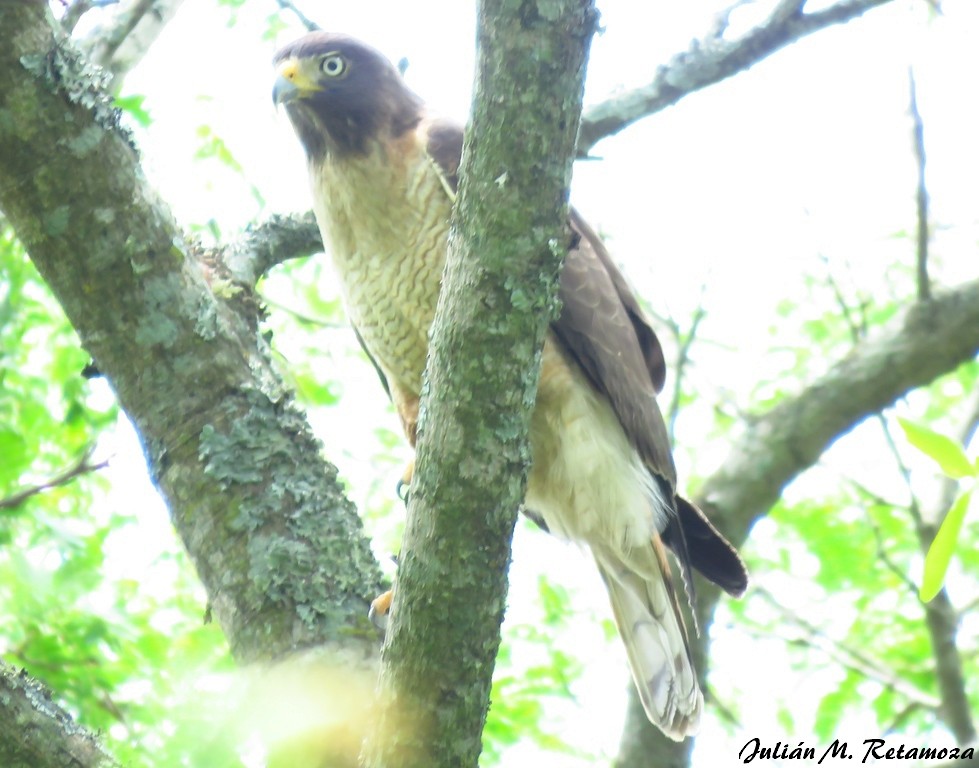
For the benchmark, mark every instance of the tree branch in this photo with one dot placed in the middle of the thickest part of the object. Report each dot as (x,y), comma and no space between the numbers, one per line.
(911,351)
(928,340)
(279,549)
(921,193)
(288,5)
(130,29)
(81,466)
(508,240)
(684,344)
(710,60)
(849,657)
(941,617)
(274,241)
(36,733)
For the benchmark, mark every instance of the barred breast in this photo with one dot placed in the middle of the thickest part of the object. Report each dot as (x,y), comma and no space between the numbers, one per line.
(385,219)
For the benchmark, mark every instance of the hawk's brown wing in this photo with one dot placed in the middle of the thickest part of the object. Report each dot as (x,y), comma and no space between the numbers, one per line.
(604,330)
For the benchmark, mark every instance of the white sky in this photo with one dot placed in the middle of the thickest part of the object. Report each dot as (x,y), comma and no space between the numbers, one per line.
(740,188)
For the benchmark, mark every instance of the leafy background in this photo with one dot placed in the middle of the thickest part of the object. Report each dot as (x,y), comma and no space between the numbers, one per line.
(798,264)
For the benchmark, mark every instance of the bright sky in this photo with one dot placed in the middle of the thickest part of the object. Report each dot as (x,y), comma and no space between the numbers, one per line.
(739,188)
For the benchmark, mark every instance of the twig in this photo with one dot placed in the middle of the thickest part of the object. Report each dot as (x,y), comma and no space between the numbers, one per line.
(914,508)
(710,60)
(878,536)
(969,607)
(82,466)
(685,343)
(885,557)
(851,658)
(726,712)
(304,319)
(288,5)
(921,196)
(857,329)
(901,717)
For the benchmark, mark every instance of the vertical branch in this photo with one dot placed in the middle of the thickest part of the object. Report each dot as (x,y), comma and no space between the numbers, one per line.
(941,617)
(506,246)
(921,196)
(684,345)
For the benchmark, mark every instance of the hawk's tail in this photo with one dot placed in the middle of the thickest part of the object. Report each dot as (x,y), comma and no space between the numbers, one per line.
(648,616)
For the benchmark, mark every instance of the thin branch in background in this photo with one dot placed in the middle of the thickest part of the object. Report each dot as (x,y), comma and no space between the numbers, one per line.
(125,33)
(711,59)
(73,13)
(902,717)
(914,508)
(304,319)
(684,345)
(970,606)
(75,10)
(971,422)
(114,37)
(722,709)
(82,466)
(921,196)
(850,658)
(288,5)
(941,618)
(882,552)
(857,326)
(885,557)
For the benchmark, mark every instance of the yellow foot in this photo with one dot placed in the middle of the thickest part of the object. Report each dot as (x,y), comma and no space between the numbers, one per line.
(380,608)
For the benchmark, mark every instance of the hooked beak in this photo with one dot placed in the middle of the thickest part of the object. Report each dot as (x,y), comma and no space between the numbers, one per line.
(291,84)
(283,91)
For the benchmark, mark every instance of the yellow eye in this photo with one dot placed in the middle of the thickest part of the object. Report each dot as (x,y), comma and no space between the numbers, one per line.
(333,65)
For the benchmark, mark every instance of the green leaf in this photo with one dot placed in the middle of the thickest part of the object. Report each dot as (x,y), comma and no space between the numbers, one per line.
(833,706)
(13,448)
(941,549)
(945,451)
(133,106)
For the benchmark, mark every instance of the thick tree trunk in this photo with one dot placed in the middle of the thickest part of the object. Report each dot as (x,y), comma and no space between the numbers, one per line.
(37,733)
(279,549)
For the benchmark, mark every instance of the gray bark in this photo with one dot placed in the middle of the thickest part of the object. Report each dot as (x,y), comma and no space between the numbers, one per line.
(255,504)
(37,733)
(509,236)
(279,549)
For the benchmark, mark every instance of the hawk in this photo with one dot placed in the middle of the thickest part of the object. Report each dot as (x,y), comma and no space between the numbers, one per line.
(384,171)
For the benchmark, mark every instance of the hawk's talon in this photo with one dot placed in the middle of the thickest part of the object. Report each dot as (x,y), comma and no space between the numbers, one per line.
(403,488)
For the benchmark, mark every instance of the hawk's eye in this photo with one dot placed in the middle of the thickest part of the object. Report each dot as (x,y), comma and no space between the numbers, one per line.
(333,65)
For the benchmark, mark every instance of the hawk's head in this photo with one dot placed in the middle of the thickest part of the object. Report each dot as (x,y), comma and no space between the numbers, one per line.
(341,94)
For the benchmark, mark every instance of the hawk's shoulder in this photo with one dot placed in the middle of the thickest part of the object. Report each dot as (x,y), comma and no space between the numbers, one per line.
(443,142)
